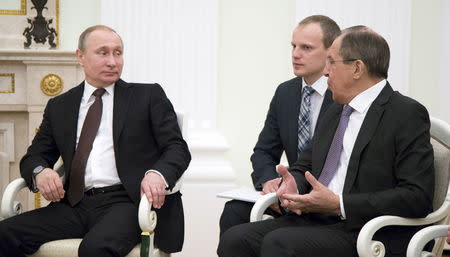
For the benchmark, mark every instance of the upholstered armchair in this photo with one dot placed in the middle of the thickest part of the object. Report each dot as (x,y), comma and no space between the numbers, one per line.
(69,247)
(366,246)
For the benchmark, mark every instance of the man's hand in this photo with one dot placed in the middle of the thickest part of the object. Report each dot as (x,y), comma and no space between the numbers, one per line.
(269,187)
(319,200)
(50,185)
(289,186)
(154,188)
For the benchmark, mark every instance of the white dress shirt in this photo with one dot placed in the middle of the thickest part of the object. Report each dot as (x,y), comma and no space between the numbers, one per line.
(360,104)
(101,167)
(320,87)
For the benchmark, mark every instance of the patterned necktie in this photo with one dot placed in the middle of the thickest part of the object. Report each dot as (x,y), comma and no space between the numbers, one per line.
(304,119)
(334,153)
(88,132)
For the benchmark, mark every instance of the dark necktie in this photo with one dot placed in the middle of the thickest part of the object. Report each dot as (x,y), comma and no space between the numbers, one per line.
(334,153)
(304,119)
(88,132)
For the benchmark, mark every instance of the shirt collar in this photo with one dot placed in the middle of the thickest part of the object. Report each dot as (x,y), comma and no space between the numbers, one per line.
(363,100)
(89,89)
(320,86)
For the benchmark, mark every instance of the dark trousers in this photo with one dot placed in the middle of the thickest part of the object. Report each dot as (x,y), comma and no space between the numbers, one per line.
(237,212)
(290,235)
(107,222)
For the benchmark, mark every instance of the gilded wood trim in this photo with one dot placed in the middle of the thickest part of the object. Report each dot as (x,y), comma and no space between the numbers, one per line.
(12,90)
(22,11)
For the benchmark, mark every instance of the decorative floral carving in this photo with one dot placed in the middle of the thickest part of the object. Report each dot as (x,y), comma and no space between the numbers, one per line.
(51,84)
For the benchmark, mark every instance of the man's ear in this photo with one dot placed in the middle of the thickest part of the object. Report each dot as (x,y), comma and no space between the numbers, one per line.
(359,70)
(80,56)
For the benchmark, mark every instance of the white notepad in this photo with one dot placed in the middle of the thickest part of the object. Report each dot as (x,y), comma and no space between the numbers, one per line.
(246,194)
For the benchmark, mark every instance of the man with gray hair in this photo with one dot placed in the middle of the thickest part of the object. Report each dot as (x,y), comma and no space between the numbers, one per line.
(370,156)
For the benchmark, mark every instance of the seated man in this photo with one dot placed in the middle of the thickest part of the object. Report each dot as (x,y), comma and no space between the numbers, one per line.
(370,156)
(293,113)
(118,141)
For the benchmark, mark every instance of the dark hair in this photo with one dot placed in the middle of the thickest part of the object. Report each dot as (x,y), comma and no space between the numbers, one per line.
(330,29)
(88,31)
(369,47)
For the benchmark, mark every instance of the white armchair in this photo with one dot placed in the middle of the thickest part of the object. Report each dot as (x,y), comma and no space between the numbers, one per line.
(69,247)
(366,246)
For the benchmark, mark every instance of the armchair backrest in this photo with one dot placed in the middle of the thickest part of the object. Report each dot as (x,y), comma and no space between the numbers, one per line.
(440,139)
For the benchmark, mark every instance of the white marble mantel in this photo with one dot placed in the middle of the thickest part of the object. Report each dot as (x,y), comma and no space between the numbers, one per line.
(21,107)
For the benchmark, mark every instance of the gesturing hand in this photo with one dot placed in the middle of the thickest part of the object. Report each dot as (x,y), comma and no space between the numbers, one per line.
(319,200)
(269,187)
(50,185)
(154,188)
(288,186)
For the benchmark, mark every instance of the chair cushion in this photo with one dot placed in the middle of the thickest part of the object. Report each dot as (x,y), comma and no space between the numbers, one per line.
(69,248)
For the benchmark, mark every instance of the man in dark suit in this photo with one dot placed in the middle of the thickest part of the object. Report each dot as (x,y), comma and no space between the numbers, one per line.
(310,41)
(370,156)
(118,141)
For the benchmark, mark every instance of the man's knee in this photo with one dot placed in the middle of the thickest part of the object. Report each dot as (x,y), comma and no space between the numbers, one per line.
(230,241)
(274,244)
(8,244)
(234,213)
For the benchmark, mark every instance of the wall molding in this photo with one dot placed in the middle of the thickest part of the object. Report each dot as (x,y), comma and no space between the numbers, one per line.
(7,139)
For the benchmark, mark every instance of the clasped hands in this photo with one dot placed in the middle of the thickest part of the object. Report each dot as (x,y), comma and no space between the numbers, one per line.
(319,200)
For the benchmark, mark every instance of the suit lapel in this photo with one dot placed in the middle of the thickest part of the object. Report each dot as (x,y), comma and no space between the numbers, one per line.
(294,110)
(122,98)
(327,100)
(72,109)
(366,132)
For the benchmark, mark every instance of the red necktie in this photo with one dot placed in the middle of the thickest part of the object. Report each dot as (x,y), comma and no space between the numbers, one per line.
(90,127)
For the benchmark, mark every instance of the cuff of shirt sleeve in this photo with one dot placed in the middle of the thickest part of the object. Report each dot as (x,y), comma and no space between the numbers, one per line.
(341,205)
(159,173)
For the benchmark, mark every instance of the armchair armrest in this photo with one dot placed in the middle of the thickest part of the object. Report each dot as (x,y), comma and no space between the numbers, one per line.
(261,205)
(421,238)
(147,217)
(370,248)
(10,207)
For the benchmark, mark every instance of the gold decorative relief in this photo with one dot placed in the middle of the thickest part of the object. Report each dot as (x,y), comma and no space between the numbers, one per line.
(51,84)
(5,79)
(22,11)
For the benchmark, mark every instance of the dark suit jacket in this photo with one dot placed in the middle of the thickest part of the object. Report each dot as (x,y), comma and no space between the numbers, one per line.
(280,131)
(146,136)
(390,171)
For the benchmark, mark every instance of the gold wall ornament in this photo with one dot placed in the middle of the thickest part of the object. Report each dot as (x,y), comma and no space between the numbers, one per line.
(51,84)
(11,88)
(22,11)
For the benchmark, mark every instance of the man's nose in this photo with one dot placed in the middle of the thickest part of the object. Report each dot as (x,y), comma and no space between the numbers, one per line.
(296,53)
(111,61)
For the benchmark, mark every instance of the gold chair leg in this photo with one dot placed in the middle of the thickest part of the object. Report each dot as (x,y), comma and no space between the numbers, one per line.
(37,200)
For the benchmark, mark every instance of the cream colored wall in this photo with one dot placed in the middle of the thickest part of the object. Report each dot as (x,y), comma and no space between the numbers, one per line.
(254,57)
(426,50)
(75,16)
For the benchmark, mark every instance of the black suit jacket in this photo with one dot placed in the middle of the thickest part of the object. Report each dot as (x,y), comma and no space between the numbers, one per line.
(146,136)
(280,131)
(391,169)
